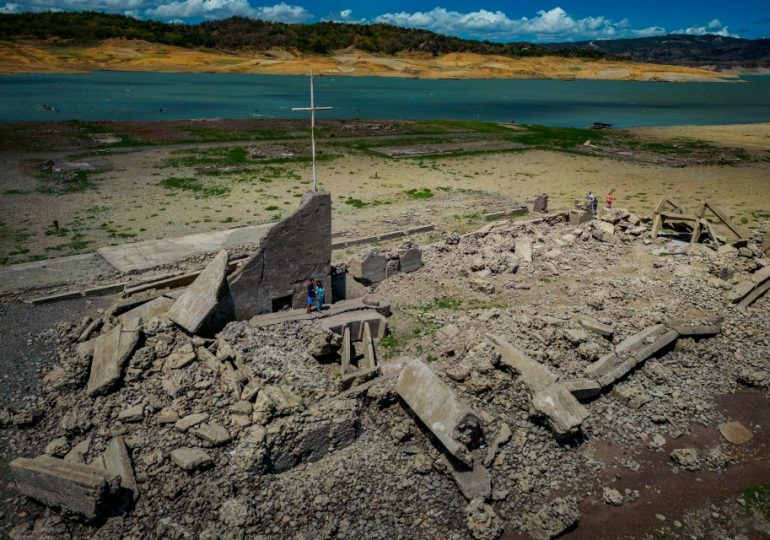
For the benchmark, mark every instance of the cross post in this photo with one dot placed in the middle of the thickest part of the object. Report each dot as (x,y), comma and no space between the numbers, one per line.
(312,110)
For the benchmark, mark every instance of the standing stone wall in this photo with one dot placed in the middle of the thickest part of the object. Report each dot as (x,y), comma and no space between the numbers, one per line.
(295,249)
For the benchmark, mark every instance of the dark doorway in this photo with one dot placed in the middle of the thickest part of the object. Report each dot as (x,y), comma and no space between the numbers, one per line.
(282,303)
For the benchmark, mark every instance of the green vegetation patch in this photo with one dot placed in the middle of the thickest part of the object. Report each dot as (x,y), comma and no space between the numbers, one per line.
(419,193)
(758,498)
(555,137)
(194,186)
(65,182)
(358,203)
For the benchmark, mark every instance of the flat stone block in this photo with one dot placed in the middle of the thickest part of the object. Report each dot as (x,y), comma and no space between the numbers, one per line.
(410,260)
(206,305)
(596,327)
(190,459)
(78,488)
(111,351)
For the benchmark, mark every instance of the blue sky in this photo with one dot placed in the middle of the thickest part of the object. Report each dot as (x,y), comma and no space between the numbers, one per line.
(557,20)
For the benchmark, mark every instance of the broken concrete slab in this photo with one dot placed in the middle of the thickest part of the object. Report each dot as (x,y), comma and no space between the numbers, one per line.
(688,328)
(629,353)
(502,437)
(369,268)
(190,459)
(410,260)
(135,413)
(79,488)
(735,432)
(293,250)
(523,248)
(548,398)
(596,327)
(536,375)
(214,434)
(563,412)
(206,305)
(111,350)
(474,482)
(191,420)
(78,452)
(578,217)
(554,518)
(154,308)
(116,460)
(756,293)
(450,419)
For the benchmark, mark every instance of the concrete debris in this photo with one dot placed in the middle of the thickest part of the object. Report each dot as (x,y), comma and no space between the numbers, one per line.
(191,459)
(523,249)
(116,461)
(686,458)
(554,518)
(295,249)
(206,305)
(410,260)
(355,320)
(213,434)
(451,420)
(548,398)
(688,328)
(749,291)
(735,432)
(612,496)
(482,521)
(629,353)
(154,308)
(583,389)
(369,268)
(596,327)
(474,482)
(78,488)
(111,351)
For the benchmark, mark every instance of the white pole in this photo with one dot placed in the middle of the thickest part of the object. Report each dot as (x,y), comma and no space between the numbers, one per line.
(312,129)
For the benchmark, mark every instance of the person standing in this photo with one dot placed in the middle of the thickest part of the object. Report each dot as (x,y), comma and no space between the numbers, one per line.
(310,294)
(319,295)
(610,197)
(593,202)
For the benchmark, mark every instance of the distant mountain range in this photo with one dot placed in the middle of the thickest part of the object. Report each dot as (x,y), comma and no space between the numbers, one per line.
(700,51)
(240,34)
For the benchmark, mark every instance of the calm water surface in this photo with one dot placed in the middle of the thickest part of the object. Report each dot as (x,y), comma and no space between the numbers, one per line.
(157,96)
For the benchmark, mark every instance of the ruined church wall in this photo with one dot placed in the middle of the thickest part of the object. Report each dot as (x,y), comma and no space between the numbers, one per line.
(297,248)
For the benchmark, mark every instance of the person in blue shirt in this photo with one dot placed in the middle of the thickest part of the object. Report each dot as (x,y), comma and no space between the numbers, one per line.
(319,295)
(310,294)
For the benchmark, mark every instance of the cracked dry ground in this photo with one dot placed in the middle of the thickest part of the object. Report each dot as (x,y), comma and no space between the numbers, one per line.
(391,480)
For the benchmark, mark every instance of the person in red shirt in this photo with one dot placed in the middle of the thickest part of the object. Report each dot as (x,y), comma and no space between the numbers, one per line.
(609,198)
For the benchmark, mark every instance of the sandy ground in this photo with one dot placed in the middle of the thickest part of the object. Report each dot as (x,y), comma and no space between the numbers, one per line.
(134,55)
(751,135)
(128,202)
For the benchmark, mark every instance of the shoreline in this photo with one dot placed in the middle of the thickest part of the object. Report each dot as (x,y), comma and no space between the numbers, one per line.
(141,56)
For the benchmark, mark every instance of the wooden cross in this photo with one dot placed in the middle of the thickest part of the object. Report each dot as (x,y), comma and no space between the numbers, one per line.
(312,110)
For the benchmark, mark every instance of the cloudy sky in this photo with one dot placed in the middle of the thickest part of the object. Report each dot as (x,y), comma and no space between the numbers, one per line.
(498,20)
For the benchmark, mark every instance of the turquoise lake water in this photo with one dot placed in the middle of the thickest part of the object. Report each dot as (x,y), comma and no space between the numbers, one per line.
(157,96)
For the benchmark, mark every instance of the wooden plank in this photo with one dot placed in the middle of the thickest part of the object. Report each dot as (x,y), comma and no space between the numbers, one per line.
(723,217)
(673,216)
(656,224)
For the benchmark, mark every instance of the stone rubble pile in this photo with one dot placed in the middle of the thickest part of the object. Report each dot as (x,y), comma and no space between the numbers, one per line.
(473,427)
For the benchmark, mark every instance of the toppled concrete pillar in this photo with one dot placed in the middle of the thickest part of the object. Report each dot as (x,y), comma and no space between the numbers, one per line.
(295,249)
(369,268)
(629,353)
(111,350)
(410,260)
(79,488)
(451,420)
(206,306)
(347,351)
(548,398)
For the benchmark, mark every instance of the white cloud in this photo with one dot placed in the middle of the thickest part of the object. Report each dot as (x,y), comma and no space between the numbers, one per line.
(9,8)
(553,24)
(649,31)
(714,27)
(219,9)
(346,13)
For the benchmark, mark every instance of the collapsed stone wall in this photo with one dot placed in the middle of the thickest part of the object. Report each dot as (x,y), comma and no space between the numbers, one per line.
(297,248)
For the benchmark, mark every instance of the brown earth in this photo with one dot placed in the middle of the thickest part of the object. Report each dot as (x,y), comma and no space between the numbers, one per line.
(135,55)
